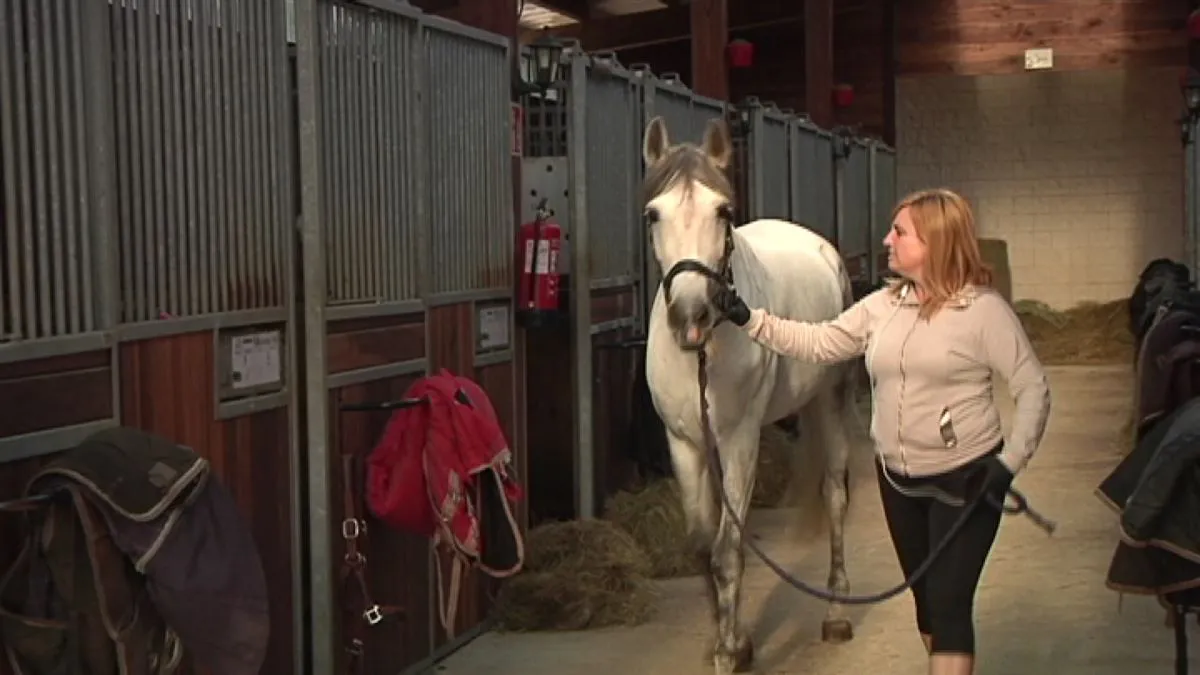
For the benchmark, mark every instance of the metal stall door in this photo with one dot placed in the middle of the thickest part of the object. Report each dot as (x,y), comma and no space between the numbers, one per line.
(811,178)
(612,170)
(854,210)
(767,162)
(883,199)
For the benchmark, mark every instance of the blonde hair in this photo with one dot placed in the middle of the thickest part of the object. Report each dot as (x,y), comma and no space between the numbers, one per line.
(945,222)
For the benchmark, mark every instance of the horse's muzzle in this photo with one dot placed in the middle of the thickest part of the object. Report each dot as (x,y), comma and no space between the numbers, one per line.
(692,320)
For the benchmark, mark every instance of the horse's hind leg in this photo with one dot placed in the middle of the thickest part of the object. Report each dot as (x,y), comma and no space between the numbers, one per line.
(739,452)
(828,415)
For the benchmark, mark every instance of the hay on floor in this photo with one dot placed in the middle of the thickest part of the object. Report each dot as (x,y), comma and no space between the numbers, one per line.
(776,454)
(578,575)
(1089,333)
(653,516)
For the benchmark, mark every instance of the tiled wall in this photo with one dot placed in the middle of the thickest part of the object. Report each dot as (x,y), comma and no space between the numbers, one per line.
(1080,172)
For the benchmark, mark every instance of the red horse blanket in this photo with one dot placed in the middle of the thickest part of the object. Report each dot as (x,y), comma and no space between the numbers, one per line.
(441,469)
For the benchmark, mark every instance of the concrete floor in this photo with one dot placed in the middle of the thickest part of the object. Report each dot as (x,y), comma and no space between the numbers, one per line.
(1042,607)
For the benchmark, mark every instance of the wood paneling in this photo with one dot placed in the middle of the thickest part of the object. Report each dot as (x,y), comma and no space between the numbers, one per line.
(611,304)
(167,389)
(360,343)
(550,476)
(55,392)
(981,37)
(612,397)
(397,565)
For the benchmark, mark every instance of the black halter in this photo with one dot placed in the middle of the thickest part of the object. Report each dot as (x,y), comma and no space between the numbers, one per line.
(723,275)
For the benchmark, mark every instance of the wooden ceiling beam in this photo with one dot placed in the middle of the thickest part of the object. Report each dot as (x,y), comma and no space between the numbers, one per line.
(674,23)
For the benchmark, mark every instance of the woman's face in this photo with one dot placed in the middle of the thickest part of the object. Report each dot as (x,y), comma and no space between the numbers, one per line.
(906,251)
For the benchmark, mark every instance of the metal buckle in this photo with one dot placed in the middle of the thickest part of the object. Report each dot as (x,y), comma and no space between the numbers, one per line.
(373,615)
(352,528)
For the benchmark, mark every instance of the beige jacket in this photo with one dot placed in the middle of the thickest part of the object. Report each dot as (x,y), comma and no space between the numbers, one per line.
(933,409)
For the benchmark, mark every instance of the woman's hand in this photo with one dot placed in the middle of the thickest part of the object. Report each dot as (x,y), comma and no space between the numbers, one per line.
(732,306)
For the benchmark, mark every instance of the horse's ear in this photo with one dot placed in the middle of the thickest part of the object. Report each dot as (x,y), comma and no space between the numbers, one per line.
(717,144)
(655,143)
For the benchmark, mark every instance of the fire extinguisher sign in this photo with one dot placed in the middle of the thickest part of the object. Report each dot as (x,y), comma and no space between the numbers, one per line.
(543,258)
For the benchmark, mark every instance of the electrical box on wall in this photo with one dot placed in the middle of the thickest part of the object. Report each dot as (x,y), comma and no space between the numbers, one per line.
(1039,59)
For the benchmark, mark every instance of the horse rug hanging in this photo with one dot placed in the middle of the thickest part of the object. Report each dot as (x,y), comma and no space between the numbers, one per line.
(444,471)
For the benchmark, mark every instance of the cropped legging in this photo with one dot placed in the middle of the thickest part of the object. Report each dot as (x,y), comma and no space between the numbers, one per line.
(945,596)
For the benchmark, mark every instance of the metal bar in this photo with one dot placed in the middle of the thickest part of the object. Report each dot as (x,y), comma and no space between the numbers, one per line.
(10,282)
(210,195)
(159,218)
(223,172)
(24,251)
(260,148)
(189,189)
(581,373)
(333,54)
(138,256)
(227,410)
(493,358)
(175,271)
(392,7)
(43,348)
(614,324)
(416,98)
(613,282)
(393,169)
(320,543)
(49,441)
(243,241)
(398,308)
(145,330)
(379,170)
(58,104)
(455,297)
(97,168)
(41,295)
(348,378)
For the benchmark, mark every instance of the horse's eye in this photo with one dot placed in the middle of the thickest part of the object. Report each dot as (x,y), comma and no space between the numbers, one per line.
(650,216)
(725,213)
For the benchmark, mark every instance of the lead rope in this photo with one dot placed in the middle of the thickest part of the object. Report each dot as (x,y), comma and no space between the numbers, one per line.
(714,460)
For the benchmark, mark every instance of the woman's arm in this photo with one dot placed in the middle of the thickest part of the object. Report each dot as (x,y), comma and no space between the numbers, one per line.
(839,339)
(1008,352)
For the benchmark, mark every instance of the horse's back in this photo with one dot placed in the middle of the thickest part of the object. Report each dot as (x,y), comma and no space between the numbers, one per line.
(807,276)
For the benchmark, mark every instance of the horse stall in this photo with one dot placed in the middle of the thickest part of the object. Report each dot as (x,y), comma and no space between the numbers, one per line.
(147,275)
(407,254)
(583,158)
(839,185)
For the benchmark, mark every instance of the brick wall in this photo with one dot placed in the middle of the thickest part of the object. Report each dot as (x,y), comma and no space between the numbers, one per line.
(1080,172)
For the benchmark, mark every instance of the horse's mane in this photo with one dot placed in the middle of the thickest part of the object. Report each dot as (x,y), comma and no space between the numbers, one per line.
(684,164)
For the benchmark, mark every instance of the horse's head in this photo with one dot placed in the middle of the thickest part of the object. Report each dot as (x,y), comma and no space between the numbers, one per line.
(689,215)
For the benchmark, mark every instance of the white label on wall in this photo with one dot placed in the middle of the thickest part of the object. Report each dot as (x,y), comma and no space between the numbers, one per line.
(254,360)
(493,327)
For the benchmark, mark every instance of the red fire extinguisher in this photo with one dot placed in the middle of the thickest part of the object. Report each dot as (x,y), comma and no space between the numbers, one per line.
(538,294)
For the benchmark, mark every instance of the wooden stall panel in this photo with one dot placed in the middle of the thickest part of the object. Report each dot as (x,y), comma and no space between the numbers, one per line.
(397,563)
(612,390)
(167,389)
(359,354)
(55,392)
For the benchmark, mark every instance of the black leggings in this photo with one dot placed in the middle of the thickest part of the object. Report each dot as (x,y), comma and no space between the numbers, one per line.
(945,596)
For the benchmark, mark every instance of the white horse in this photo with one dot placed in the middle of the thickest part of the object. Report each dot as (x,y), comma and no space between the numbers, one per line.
(785,269)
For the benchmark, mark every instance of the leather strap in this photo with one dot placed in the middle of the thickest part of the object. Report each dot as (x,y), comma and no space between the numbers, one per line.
(366,612)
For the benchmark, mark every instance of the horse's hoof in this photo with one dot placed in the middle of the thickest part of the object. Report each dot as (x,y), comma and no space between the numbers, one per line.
(739,660)
(837,630)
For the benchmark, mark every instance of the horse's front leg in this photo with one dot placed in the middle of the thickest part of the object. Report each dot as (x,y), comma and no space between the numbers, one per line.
(734,650)
(696,495)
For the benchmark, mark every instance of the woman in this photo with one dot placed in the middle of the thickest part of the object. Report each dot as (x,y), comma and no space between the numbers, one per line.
(932,340)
